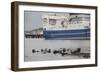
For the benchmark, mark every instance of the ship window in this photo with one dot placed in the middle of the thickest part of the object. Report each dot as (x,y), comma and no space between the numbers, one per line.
(45,20)
(62,23)
(86,27)
(52,21)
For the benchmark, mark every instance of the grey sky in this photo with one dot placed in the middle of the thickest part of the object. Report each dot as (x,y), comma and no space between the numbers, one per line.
(32,20)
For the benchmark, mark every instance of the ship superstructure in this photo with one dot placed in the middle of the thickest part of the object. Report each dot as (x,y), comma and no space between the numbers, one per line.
(66,26)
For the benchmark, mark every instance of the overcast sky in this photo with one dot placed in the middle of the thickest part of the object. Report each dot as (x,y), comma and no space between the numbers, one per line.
(32,20)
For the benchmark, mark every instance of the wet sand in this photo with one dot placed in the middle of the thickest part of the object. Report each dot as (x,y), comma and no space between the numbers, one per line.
(31,43)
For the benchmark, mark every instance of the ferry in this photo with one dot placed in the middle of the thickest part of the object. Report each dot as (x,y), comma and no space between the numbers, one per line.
(66,26)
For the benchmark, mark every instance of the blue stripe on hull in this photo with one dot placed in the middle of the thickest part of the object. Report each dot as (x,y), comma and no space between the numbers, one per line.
(72,38)
(64,34)
(66,31)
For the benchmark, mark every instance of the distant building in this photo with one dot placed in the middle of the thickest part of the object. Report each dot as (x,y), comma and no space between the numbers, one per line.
(37,31)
